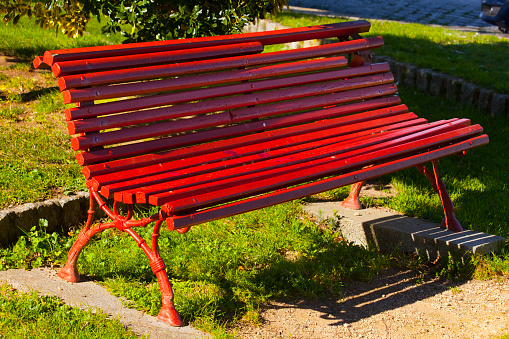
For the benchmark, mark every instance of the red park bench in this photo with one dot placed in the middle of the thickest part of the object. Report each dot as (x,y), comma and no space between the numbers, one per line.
(206,128)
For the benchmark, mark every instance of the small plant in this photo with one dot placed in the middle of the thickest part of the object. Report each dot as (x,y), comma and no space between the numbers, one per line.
(36,248)
(12,113)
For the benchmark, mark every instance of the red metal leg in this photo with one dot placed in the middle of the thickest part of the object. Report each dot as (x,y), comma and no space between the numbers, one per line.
(450,222)
(69,272)
(353,201)
(167,313)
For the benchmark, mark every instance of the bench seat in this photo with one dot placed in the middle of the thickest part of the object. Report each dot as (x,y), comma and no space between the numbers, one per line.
(206,128)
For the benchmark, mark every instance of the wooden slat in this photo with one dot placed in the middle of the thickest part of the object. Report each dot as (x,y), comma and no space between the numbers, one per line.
(181,220)
(154,130)
(184,184)
(259,158)
(201,139)
(82,66)
(301,141)
(204,66)
(266,38)
(220,91)
(246,185)
(201,80)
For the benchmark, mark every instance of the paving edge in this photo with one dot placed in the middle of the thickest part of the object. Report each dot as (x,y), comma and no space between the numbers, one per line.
(90,295)
(61,213)
(390,231)
(425,80)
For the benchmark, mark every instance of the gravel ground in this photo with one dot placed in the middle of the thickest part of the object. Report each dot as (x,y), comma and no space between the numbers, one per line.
(393,306)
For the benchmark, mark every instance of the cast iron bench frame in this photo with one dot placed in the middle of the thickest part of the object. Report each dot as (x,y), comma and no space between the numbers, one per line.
(212,128)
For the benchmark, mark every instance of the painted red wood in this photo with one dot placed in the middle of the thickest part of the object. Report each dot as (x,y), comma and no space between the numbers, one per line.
(201,80)
(194,108)
(136,60)
(202,66)
(245,185)
(181,220)
(266,38)
(179,184)
(164,128)
(201,138)
(270,148)
(264,157)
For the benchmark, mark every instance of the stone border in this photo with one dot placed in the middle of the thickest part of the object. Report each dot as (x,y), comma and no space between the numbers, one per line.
(426,80)
(61,213)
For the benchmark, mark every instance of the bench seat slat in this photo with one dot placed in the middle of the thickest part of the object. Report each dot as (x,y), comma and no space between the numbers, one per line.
(286,163)
(377,126)
(246,185)
(260,160)
(163,128)
(135,60)
(203,66)
(266,38)
(202,138)
(201,80)
(291,144)
(185,219)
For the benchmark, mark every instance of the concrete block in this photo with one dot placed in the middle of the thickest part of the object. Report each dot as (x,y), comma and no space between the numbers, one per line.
(469,93)
(437,84)
(399,72)
(422,80)
(499,105)
(5,225)
(484,100)
(25,217)
(410,74)
(51,211)
(388,231)
(453,87)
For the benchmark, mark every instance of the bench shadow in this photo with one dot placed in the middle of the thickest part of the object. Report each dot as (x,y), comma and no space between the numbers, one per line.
(392,290)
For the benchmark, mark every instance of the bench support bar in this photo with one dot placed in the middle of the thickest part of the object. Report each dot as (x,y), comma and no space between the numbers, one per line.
(70,273)
(353,201)
(450,222)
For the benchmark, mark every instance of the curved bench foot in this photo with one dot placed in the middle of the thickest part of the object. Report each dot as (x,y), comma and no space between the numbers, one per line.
(69,273)
(169,315)
(353,201)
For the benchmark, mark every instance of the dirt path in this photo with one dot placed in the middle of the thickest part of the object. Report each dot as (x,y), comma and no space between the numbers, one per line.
(393,306)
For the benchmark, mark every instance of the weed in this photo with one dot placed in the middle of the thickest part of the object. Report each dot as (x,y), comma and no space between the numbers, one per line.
(36,248)
(48,103)
(12,113)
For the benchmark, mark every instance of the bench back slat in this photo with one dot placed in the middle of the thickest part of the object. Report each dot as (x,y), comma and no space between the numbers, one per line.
(266,38)
(183,68)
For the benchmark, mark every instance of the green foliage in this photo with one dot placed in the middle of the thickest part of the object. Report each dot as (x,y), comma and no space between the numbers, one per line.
(26,315)
(142,20)
(36,248)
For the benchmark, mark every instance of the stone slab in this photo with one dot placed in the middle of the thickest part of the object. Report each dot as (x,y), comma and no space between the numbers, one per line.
(388,231)
(90,295)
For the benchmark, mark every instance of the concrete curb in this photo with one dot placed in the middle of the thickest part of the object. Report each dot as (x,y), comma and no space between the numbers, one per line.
(61,213)
(426,80)
(90,295)
(389,231)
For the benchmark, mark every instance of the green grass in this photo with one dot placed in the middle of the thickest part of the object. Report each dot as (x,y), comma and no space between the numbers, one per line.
(26,40)
(478,58)
(36,163)
(27,315)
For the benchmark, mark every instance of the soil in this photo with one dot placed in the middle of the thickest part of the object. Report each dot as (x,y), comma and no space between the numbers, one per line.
(399,304)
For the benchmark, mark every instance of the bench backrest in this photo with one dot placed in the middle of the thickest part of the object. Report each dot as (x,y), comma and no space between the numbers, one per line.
(162,100)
